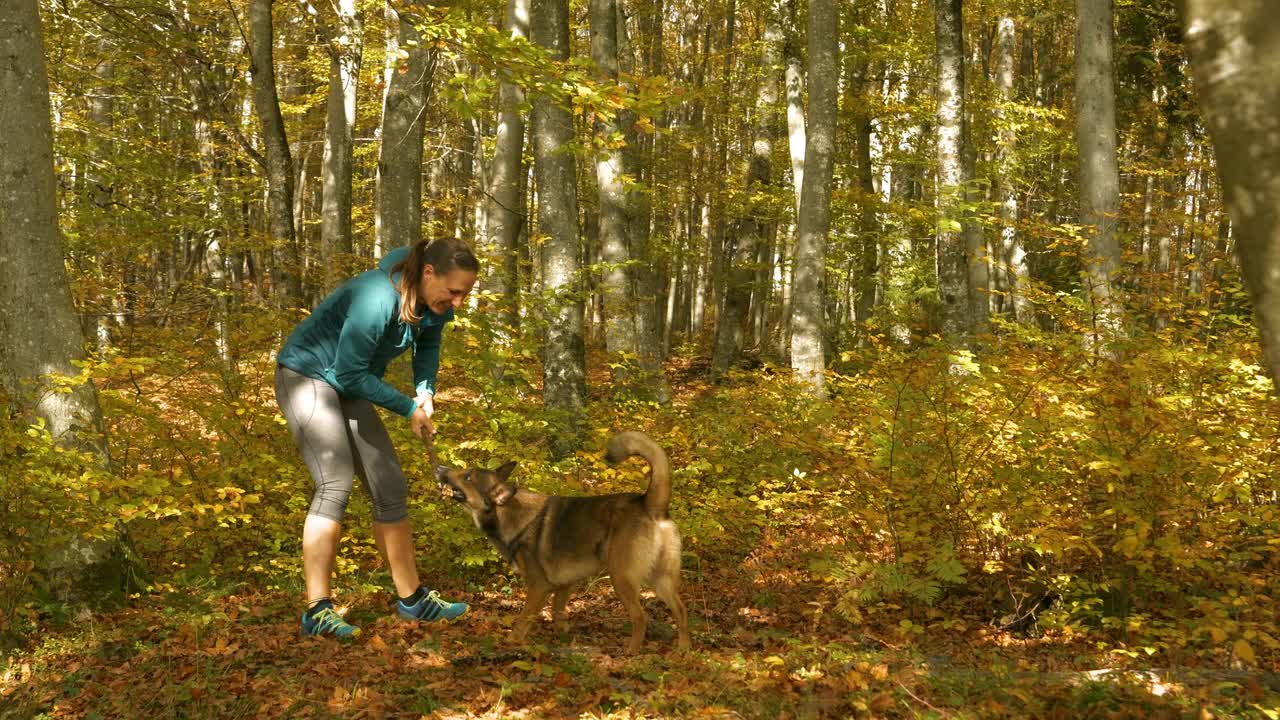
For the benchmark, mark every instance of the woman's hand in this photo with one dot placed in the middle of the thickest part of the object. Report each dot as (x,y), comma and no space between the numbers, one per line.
(420,421)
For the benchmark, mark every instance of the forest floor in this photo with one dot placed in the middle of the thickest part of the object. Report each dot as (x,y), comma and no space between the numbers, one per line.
(768,642)
(766,645)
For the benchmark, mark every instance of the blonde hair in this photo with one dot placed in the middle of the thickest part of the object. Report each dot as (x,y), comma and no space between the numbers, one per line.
(444,255)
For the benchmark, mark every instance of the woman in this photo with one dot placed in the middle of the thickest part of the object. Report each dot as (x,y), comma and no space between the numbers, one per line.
(329,377)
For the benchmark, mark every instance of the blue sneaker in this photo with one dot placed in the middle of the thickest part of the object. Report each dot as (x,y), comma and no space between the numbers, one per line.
(327,621)
(430,608)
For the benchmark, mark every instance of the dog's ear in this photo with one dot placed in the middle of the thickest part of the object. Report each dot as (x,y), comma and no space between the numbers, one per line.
(504,472)
(502,492)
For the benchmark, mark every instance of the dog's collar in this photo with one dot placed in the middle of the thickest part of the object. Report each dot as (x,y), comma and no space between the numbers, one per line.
(508,547)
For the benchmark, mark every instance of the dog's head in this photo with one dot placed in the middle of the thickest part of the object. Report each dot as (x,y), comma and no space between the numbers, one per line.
(478,489)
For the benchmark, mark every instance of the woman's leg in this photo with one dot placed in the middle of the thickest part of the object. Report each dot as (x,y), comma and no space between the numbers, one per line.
(377,464)
(395,540)
(314,413)
(320,537)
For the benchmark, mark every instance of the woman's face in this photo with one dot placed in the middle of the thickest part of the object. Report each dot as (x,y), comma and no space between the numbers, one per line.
(443,291)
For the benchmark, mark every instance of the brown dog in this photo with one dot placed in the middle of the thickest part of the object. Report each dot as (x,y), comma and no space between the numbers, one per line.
(559,542)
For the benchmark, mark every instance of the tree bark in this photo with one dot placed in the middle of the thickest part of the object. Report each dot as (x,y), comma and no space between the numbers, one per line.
(399,217)
(1235,60)
(505,215)
(953,286)
(615,167)
(795,105)
(266,103)
(564,384)
(863,84)
(345,53)
(808,320)
(1099,174)
(1013,259)
(742,242)
(40,333)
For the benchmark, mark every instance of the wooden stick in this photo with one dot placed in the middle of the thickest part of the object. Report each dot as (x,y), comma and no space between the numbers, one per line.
(429,441)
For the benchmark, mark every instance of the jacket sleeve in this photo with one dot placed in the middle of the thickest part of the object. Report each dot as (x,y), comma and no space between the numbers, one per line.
(426,359)
(367,319)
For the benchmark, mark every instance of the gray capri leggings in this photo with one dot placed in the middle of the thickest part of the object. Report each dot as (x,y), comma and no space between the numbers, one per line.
(340,438)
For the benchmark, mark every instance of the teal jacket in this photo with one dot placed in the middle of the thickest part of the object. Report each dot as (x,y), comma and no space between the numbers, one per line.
(353,333)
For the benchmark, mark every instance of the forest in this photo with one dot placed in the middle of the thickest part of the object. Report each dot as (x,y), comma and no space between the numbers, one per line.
(958,320)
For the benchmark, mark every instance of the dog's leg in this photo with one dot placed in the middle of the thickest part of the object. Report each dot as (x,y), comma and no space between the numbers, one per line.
(558,601)
(630,593)
(534,602)
(667,587)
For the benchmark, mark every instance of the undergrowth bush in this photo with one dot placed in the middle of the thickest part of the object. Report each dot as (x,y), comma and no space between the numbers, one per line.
(1135,496)
(1029,483)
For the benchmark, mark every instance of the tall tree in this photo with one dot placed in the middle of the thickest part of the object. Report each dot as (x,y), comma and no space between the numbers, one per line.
(40,333)
(266,103)
(505,213)
(398,222)
(615,168)
(642,274)
(1235,58)
(346,48)
(868,224)
(564,378)
(794,82)
(1013,259)
(1095,101)
(808,323)
(743,243)
(961,262)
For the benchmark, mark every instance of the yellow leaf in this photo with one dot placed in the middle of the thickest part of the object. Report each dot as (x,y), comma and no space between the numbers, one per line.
(1128,545)
(1218,634)
(1244,651)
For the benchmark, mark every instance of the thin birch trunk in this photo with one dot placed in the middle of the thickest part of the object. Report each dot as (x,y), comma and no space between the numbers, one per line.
(953,286)
(1013,259)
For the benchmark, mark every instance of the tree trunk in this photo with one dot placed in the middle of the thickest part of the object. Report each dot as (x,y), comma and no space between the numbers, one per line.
(1013,259)
(1099,175)
(795,105)
(951,252)
(40,333)
(505,215)
(742,242)
(279,162)
(868,225)
(614,163)
(642,274)
(808,321)
(399,217)
(564,384)
(345,53)
(1235,60)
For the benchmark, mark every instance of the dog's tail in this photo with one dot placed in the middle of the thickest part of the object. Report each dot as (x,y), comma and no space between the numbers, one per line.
(625,444)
